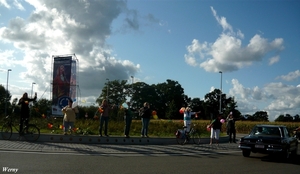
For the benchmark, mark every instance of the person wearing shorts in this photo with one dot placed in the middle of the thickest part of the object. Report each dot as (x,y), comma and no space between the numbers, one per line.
(216,126)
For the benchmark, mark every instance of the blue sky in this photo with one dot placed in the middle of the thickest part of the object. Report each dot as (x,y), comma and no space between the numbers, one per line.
(254,43)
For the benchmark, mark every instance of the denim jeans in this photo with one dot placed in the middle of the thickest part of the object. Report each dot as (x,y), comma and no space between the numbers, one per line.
(128,121)
(68,125)
(145,124)
(105,121)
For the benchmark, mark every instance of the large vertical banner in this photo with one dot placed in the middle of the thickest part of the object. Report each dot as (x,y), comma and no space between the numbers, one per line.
(61,83)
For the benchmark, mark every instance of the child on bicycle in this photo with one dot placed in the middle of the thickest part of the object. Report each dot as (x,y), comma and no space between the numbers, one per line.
(187,119)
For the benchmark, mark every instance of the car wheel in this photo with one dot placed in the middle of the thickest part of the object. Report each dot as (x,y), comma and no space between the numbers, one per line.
(246,153)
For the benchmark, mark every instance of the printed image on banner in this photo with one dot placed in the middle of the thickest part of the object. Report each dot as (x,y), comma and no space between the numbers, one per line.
(61,83)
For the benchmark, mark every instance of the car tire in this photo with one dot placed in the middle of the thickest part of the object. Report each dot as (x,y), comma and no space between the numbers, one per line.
(246,153)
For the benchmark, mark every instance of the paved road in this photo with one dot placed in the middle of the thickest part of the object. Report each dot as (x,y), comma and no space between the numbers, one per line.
(111,149)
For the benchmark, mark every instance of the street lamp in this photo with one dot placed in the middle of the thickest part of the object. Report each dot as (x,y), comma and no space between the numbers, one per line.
(32,88)
(107,89)
(221,93)
(6,91)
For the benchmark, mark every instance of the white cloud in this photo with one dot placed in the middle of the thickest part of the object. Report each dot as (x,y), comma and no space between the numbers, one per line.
(227,53)
(5,4)
(290,76)
(279,98)
(273,60)
(58,28)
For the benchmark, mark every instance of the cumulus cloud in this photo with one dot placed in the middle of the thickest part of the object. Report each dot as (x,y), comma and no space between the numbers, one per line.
(279,98)
(227,53)
(58,27)
(290,76)
(273,60)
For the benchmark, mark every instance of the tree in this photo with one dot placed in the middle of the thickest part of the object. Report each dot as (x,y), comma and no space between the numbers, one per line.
(4,100)
(261,116)
(170,94)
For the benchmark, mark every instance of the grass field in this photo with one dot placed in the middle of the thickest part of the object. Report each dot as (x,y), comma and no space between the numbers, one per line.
(157,128)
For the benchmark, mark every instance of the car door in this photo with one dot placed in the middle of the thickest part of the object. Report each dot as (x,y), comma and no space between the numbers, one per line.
(290,139)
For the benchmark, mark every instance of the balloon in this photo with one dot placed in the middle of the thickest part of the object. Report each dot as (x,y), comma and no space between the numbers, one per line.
(74,104)
(155,116)
(154,113)
(125,106)
(50,125)
(100,110)
(182,110)
(208,128)
(222,120)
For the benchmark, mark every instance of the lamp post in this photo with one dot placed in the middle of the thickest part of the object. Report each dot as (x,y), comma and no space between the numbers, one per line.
(6,91)
(32,88)
(221,93)
(107,89)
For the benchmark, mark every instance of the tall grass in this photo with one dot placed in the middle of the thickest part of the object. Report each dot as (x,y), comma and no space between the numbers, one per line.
(157,128)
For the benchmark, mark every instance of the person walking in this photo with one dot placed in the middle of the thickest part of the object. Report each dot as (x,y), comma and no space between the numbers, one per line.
(69,116)
(216,126)
(104,110)
(145,113)
(24,102)
(231,128)
(127,119)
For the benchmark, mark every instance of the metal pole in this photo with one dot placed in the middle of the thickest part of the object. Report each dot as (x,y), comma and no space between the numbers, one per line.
(221,93)
(32,88)
(6,92)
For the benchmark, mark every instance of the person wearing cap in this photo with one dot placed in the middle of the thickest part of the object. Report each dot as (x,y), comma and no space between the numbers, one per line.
(69,116)
(187,118)
(231,128)
(216,126)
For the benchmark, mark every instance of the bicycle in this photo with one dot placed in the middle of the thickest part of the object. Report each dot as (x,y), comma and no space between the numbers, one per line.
(30,131)
(182,137)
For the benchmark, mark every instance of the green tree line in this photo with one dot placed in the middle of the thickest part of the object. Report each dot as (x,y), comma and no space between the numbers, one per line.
(165,98)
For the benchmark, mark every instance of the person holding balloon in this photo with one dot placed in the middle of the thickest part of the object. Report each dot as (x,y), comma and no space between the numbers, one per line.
(69,116)
(187,119)
(104,109)
(216,126)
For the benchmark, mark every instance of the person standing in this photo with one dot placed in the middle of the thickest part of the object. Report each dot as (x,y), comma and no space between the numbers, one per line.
(127,119)
(24,102)
(69,116)
(231,128)
(187,118)
(145,113)
(216,126)
(104,110)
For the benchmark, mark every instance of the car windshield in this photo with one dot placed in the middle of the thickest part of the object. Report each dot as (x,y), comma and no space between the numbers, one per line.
(269,131)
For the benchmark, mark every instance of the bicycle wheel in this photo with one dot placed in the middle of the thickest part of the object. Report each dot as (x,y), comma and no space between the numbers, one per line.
(31,132)
(6,131)
(180,137)
(195,136)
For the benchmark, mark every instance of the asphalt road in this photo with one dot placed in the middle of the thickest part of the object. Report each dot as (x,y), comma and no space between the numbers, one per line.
(210,162)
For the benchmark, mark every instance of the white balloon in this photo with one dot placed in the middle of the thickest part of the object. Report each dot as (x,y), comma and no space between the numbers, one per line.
(74,104)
